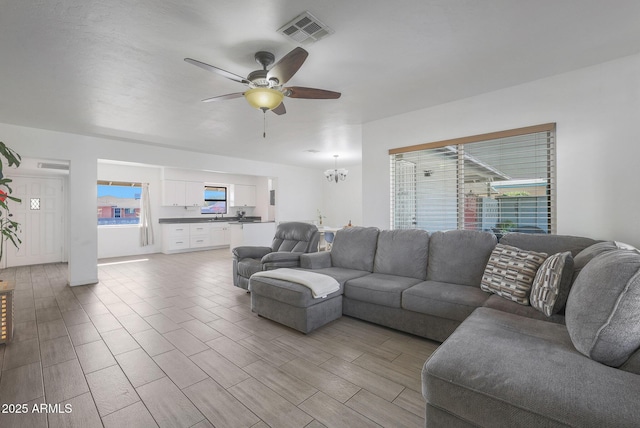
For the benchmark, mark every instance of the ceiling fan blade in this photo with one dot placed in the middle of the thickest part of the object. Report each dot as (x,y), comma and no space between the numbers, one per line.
(288,65)
(316,94)
(224,97)
(280,110)
(217,70)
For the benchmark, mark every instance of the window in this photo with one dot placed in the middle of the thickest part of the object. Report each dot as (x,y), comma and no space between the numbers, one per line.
(215,200)
(118,203)
(500,182)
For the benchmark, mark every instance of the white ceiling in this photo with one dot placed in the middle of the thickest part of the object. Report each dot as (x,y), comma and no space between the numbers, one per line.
(114,68)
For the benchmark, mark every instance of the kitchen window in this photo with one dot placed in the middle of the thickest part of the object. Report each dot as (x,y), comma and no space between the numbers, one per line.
(215,200)
(499,182)
(118,203)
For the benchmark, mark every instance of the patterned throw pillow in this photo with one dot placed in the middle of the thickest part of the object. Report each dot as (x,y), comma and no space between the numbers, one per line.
(552,282)
(510,272)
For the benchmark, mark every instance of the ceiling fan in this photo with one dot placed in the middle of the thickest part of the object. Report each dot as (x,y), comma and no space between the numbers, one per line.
(266,87)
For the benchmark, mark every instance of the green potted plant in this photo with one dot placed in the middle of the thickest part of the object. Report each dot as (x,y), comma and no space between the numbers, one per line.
(8,228)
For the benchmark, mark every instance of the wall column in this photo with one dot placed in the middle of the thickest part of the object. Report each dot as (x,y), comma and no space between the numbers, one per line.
(82,222)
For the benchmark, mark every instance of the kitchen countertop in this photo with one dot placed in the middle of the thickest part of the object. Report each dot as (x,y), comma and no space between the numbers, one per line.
(250,222)
(210,220)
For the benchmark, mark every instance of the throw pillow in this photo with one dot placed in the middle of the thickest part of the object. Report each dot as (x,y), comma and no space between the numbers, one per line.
(552,283)
(510,272)
(603,309)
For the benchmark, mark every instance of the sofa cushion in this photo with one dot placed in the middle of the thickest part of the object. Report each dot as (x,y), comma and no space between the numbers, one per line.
(589,253)
(551,285)
(402,252)
(504,305)
(503,370)
(510,272)
(550,244)
(633,363)
(354,248)
(603,309)
(444,300)
(459,256)
(378,288)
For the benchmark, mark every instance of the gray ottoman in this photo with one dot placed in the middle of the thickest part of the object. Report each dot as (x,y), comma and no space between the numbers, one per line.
(292,304)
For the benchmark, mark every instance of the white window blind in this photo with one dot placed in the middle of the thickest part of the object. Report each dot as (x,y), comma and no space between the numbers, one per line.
(498,182)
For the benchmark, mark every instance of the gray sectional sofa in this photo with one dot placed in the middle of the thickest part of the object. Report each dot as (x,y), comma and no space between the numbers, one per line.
(421,283)
(501,363)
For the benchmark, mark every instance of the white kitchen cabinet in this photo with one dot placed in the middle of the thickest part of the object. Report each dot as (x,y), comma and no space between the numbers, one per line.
(171,192)
(175,237)
(244,195)
(183,237)
(194,194)
(199,235)
(178,193)
(220,234)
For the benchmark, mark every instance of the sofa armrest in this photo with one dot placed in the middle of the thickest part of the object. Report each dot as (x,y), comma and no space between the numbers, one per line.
(281,259)
(318,260)
(282,256)
(250,252)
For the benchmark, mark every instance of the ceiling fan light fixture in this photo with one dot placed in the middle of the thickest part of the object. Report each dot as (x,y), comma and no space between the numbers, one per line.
(264,98)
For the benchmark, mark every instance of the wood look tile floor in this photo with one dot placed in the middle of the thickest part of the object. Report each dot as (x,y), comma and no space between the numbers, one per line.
(168,341)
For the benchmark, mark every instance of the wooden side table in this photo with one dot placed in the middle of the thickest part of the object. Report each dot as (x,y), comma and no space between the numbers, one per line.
(6,311)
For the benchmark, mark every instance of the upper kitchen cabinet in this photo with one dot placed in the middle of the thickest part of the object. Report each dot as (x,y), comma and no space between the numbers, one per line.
(178,193)
(243,195)
(194,194)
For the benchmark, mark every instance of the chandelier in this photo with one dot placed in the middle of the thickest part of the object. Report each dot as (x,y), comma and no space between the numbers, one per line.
(336,174)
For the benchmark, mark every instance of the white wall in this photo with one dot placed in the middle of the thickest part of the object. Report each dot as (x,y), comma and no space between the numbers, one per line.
(298,188)
(596,110)
(117,241)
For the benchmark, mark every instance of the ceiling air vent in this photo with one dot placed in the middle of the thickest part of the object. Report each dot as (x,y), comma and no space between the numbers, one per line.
(305,29)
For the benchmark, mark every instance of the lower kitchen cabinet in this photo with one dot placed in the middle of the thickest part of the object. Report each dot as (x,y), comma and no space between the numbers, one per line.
(220,234)
(183,237)
(175,237)
(199,235)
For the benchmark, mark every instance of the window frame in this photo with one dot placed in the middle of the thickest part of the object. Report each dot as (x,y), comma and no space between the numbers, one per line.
(459,144)
(225,200)
(121,210)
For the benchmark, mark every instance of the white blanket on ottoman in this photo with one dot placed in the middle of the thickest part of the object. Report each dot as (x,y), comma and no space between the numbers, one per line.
(319,284)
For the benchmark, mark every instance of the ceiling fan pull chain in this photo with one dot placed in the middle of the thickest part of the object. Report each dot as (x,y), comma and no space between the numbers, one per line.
(264,123)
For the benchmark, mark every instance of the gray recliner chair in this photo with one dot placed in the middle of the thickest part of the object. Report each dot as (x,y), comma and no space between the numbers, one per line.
(291,240)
